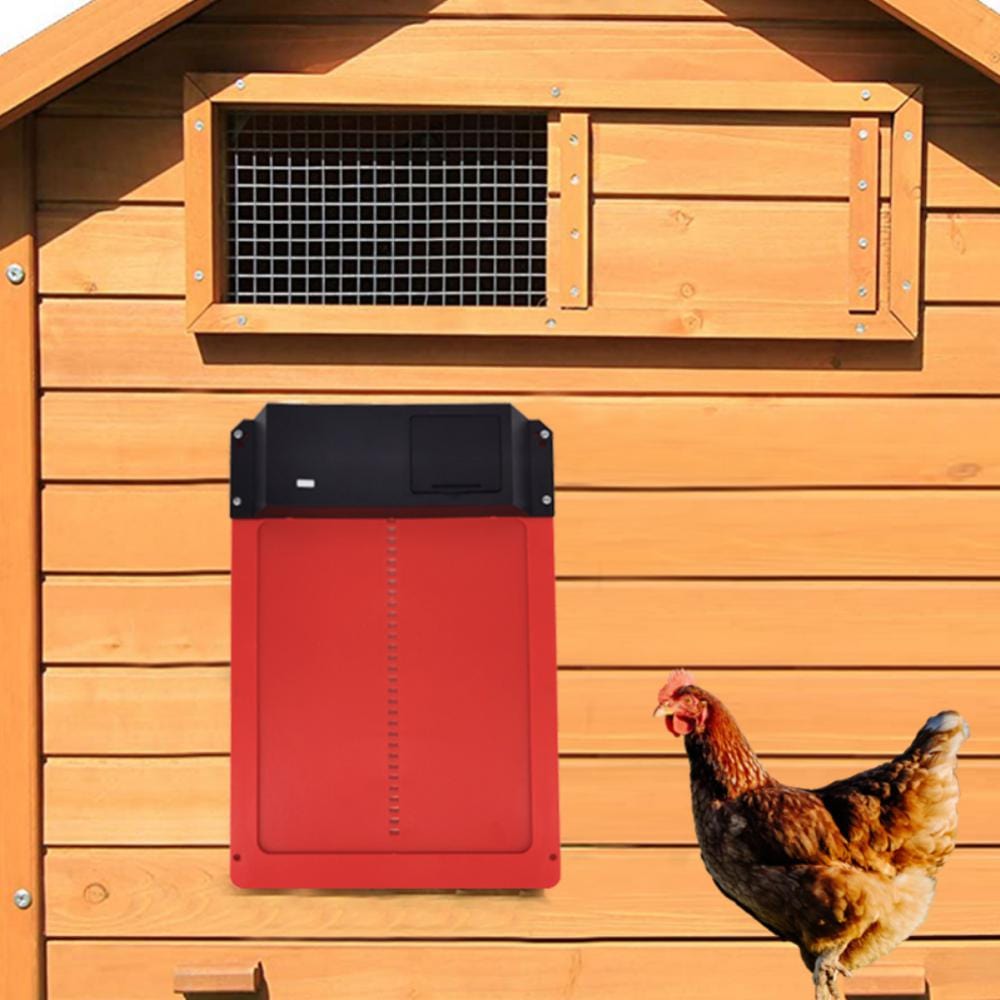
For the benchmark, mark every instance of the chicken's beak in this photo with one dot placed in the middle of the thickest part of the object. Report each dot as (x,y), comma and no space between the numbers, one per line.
(663,710)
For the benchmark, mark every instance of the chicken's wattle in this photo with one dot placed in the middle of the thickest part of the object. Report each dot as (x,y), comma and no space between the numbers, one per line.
(679,725)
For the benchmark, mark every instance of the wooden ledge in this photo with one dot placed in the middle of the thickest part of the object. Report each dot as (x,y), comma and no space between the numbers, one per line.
(218,979)
(891,982)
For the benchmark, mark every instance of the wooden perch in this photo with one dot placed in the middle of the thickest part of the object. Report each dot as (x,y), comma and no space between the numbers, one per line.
(891,982)
(226,979)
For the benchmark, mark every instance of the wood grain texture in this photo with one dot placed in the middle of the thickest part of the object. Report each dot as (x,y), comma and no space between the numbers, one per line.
(204,203)
(236,11)
(104,343)
(964,250)
(20,767)
(646,254)
(185,800)
(863,238)
(80,970)
(906,282)
(900,981)
(601,441)
(185,710)
(963,167)
(721,155)
(858,533)
(603,623)
(659,253)
(131,710)
(530,50)
(571,223)
(216,979)
(108,159)
(652,892)
(123,250)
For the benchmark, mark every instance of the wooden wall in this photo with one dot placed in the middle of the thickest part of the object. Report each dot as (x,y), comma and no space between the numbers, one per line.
(814,526)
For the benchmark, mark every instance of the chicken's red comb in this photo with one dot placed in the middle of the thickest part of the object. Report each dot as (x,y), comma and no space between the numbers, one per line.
(677,680)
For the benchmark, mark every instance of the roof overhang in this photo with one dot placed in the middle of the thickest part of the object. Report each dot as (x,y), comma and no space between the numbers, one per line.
(103,31)
(966,28)
(80,45)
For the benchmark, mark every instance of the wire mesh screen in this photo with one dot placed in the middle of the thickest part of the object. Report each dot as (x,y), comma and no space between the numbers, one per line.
(387,209)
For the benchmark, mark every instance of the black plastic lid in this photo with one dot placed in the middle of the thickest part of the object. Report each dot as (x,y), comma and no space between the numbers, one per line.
(311,460)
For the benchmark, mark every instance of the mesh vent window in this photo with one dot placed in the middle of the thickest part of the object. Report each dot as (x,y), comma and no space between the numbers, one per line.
(387,209)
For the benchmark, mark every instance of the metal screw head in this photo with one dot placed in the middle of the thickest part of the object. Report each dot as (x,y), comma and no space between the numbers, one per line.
(575,292)
(860,328)
(237,434)
(574,140)
(15,274)
(22,899)
(199,126)
(575,179)
(241,320)
(241,84)
(907,285)
(866,95)
(574,234)
(547,500)
(237,501)
(556,92)
(862,185)
(862,291)
(545,435)
(551,324)
(199,275)
(863,134)
(863,242)
(908,135)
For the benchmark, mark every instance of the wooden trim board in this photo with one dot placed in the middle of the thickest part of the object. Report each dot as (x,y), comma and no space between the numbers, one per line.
(20,759)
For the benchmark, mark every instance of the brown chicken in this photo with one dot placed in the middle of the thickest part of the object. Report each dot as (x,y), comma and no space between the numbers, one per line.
(847,871)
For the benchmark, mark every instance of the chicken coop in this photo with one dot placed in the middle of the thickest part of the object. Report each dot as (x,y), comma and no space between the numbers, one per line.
(742,256)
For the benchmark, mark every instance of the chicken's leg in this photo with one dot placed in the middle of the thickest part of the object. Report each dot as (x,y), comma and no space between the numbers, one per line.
(825,973)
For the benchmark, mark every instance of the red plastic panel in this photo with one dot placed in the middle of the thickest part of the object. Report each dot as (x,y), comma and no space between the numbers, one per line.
(394,716)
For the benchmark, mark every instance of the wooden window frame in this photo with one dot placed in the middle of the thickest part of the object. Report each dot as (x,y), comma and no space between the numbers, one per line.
(896,312)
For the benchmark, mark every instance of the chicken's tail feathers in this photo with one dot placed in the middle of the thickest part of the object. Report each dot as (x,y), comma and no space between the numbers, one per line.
(942,735)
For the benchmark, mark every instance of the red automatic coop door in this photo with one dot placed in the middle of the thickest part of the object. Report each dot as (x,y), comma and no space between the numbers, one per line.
(393,649)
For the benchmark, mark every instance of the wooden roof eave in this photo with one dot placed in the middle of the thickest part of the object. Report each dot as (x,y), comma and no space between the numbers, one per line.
(965,28)
(80,45)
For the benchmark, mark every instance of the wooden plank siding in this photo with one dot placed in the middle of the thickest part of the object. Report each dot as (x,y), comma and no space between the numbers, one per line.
(542,50)
(676,247)
(797,521)
(81,970)
(651,892)
(136,802)
(636,533)
(629,623)
(601,442)
(183,710)
(143,344)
